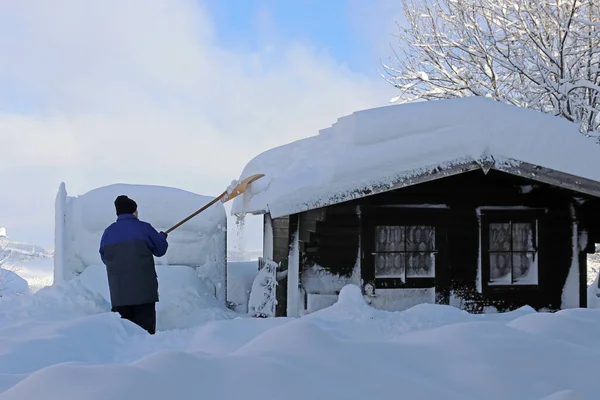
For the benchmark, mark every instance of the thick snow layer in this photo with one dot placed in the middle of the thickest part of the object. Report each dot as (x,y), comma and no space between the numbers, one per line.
(37,272)
(240,278)
(200,242)
(12,283)
(382,145)
(185,300)
(56,349)
(30,262)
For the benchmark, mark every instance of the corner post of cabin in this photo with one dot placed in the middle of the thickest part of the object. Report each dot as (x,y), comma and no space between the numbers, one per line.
(293,276)
(268,238)
(580,245)
(576,278)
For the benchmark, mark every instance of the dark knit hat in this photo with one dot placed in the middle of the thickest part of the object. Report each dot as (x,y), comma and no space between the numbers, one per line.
(125,205)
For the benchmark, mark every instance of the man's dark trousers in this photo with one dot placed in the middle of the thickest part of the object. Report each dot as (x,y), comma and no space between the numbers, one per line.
(143,315)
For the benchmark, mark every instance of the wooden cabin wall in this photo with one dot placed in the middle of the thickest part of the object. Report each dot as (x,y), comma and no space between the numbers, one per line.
(328,241)
(330,238)
(332,242)
(281,243)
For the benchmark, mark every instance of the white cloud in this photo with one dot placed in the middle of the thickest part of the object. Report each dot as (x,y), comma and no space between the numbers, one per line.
(139,91)
(377,22)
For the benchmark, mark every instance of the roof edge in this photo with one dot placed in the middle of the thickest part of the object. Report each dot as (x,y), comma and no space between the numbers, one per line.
(417,177)
(485,163)
(552,177)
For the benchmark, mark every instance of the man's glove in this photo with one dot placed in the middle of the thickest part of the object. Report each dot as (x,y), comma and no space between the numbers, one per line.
(162,233)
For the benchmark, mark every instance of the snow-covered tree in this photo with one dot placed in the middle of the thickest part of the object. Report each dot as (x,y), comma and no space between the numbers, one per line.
(263,297)
(539,54)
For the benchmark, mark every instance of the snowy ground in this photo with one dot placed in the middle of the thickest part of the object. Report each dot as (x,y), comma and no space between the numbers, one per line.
(37,273)
(63,343)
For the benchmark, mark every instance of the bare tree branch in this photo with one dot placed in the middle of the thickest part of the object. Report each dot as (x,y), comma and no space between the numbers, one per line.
(539,54)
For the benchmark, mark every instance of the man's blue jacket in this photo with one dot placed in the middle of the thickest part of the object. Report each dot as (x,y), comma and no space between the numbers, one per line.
(127,248)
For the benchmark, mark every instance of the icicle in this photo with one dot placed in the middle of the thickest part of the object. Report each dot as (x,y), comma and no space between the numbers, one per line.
(239,252)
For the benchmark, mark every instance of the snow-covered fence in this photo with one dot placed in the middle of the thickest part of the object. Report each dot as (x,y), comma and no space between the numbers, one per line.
(200,243)
(263,296)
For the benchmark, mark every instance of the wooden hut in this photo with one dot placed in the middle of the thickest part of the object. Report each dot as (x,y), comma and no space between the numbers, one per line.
(466,202)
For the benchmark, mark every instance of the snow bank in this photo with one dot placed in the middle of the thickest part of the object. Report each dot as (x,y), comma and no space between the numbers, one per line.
(185,300)
(57,302)
(347,351)
(564,395)
(11,283)
(199,243)
(32,263)
(383,145)
(240,278)
(38,273)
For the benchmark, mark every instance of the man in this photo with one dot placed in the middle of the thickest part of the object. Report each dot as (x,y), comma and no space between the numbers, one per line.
(127,248)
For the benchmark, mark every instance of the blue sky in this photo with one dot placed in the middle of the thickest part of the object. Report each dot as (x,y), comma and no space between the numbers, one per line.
(346,29)
(161,92)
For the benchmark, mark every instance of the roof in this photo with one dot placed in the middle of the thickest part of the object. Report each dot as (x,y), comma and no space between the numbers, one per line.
(384,148)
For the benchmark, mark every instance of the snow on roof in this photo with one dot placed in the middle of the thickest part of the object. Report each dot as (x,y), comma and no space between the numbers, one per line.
(383,145)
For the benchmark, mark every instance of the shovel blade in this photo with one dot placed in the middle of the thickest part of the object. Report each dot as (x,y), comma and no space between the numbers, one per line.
(240,187)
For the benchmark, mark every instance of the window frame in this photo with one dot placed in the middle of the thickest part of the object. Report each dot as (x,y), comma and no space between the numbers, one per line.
(534,216)
(405,253)
(371,217)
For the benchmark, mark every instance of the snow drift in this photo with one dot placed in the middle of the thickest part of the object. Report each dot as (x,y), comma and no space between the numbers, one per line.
(200,243)
(384,145)
(347,351)
(185,299)
(12,283)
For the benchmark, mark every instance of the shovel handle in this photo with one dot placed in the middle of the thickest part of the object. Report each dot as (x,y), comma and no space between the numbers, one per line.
(196,213)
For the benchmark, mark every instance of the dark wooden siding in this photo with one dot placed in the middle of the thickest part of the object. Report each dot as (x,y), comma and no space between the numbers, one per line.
(281,244)
(332,242)
(329,238)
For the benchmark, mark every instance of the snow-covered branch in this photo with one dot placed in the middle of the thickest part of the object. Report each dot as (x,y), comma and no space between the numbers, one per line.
(543,55)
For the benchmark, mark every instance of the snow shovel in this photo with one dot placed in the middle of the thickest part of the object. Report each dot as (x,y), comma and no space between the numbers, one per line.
(230,193)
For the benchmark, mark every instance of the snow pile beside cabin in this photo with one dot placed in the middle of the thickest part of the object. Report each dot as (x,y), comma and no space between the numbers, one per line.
(200,243)
(391,144)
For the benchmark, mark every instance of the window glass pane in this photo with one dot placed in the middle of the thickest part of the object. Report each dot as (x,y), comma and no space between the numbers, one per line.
(524,268)
(500,237)
(500,268)
(420,265)
(389,238)
(522,236)
(420,238)
(390,266)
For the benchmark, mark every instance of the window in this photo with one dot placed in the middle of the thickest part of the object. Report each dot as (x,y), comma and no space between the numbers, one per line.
(512,253)
(404,252)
